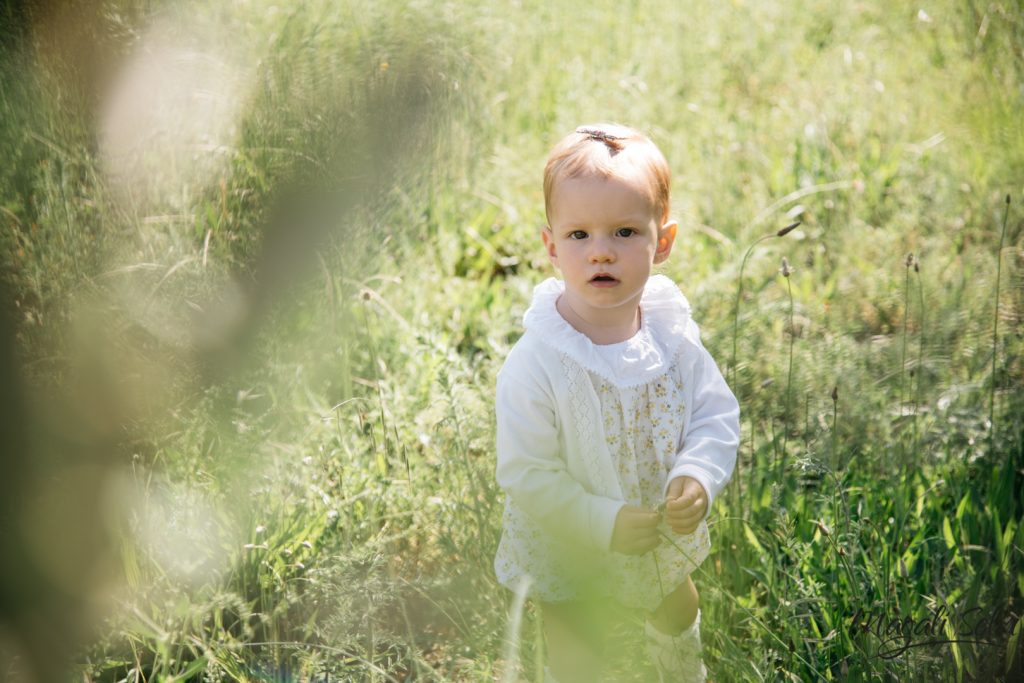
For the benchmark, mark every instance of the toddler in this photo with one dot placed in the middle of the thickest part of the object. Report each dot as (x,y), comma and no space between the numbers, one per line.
(615,429)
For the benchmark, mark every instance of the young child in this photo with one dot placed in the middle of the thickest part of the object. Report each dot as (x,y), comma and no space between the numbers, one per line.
(615,429)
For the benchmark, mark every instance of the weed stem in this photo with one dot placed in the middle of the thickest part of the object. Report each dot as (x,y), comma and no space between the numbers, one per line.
(995,332)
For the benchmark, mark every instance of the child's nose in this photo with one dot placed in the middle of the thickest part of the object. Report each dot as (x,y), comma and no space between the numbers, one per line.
(602,251)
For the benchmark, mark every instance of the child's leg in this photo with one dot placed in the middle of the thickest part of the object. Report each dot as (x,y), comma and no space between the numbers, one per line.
(673,636)
(575,641)
(677,610)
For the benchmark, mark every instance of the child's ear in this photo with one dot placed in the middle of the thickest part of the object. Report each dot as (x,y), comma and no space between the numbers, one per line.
(549,244)
(666,238)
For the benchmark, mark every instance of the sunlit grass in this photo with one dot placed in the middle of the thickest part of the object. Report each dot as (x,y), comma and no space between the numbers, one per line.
(313,495)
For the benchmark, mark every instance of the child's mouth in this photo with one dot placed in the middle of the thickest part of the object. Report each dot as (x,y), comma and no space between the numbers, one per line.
(603,280)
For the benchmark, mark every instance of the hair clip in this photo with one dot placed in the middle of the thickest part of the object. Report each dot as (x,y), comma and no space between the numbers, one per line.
(599,135)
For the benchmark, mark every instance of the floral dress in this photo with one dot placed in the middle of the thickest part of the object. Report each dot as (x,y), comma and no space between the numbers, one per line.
(642,425)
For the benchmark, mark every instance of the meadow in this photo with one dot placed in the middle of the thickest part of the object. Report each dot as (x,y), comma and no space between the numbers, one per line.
(262,262)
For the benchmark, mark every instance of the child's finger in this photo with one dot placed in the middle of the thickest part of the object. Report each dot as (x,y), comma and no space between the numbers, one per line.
(677,504)
(697,508)
(680,504)
(675,488)
(692,514)
(640,518)
(645,532)
(645,544)
(685,505)
(688,494)
(634,546)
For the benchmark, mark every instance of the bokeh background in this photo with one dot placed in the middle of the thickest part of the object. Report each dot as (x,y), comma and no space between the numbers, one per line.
(261,262)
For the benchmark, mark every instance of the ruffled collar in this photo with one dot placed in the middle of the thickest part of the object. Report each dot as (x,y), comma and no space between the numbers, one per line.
(640,359)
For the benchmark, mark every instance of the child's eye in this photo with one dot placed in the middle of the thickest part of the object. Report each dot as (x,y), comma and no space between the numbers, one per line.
(625,232)
(578,235)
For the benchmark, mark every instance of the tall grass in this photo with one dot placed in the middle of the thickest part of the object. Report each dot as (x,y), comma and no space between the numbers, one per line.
(309,495)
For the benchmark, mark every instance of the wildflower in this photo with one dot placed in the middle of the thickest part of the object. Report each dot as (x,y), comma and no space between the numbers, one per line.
(909,261)
(835,394)
(786,269)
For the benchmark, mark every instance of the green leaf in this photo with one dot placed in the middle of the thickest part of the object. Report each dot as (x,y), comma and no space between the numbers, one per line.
(194,667)
(1011,644)
(749,533)
(947,533)
(951,635)
(1006,541)
(965,504)
(909,559)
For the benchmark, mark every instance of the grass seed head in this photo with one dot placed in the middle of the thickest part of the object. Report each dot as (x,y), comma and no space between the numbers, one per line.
(788,229)
(786,269)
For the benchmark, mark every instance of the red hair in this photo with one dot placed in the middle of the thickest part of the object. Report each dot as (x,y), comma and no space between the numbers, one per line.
(608,150)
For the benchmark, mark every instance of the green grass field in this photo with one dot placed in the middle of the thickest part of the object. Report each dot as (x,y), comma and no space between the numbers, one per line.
(262,262)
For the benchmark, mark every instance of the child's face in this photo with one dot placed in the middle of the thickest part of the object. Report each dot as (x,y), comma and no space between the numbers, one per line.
(604,236)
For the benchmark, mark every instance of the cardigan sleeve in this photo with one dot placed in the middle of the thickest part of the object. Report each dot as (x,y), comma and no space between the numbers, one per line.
(708,451)
(533,472)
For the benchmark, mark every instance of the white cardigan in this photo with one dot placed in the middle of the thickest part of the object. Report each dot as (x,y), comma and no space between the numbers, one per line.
(553,460)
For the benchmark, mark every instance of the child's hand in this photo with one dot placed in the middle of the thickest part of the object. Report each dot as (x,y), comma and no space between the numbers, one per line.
(685,504)
(636,530)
